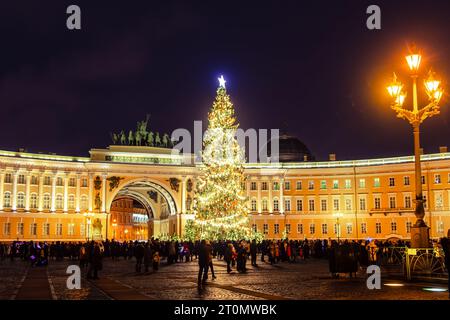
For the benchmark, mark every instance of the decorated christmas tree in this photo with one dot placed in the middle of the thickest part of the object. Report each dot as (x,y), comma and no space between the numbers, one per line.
(220,204)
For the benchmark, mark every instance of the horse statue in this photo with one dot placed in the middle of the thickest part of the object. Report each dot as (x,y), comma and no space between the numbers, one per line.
(150,140)
(130,138)
(165,140)
(142,127)
(138,138)
(157,140)
(123,138)
(115,138)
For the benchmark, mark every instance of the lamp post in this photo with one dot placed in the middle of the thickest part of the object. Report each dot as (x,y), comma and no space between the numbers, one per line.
(415,116)
(126,234)
(338,224)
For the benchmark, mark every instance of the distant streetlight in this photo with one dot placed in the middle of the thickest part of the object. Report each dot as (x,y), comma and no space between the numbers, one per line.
(114,224)
(338,224)
(420,231)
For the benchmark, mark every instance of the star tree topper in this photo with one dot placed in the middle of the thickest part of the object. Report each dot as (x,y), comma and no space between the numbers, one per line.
(221,81)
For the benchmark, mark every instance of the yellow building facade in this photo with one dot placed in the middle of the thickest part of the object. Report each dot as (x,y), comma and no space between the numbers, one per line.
(49,197)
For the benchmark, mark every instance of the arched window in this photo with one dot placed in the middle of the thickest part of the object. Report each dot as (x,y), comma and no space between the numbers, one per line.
(84,202)
(34,180)
(59,181)
(33,201)
(46,201)
(7,200)
(20,200)
(264,205)
(59,201)
(71,202)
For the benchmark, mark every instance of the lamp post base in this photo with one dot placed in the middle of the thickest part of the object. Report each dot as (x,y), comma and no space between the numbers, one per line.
(420,237)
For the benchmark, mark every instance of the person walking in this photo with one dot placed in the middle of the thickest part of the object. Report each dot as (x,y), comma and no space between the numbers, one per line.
(203,264)
(139,255)
(210,259)
(148,255)
(228,256)
(95,261)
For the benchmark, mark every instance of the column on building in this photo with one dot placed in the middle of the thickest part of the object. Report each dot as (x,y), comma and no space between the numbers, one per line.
(27,191)
(14,191)
(104,176)
(258,187)
(53,206)
(183,194)
(2,189)
(78,194)
(270,183)
(281,203)
(66,191)
(91,186)
(248,187)
(41,192)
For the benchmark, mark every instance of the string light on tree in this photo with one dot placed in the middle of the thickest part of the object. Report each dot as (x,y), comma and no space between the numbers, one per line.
(220,205)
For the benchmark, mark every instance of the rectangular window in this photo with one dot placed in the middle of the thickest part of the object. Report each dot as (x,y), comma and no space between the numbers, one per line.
(363,228)
(408,227)
(84,182)
(253,205)
(275,205)
(439,201)
(21,179)
(348,184)
(378,228)
(437,178)
(300,228)
(349,228)
(276,186)
(323,184)
(266,228)
(264,185)
(254,227)
(20,229)
(337,229)
(7,228)
(362,183)
(287,185)
(407,202)
(311,185)
(376,182)
(335,184)
(440,227)
(34,180)
(299,205)
(377,202)
(276,228)
(287,205)
(406,181)
(312,228)
(324,228)
(82,229)
(393,227)
(391,182)
(72,182)
(423,180)
(362,204)
(264,205)
(59,228)
(392,202)
(33,229)
(323,205)
(288,228)
(311,205)
(348,204)
(336,204)
(253,186)
(8,178)
(71,229)
(46,229)
(47,181)
(299,185)
(425,205)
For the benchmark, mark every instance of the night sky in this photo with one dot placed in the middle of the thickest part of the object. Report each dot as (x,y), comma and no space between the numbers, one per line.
(309,67)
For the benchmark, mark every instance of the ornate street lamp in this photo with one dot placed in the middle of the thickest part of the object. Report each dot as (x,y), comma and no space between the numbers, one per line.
(420,231)
(338,224)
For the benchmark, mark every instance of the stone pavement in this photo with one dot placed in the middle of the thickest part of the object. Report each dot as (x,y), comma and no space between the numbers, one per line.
(304,281)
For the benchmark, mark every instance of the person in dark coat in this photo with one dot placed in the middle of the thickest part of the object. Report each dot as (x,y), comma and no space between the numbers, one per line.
(203,264)
(139,254)
(148,256)
(228,256)
(95,260)
(253,251)
(445,243)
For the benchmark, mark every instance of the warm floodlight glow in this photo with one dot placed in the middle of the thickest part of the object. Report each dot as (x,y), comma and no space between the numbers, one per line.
(431,84)
(414,61)
(221,81)
(394,284)
(437,95)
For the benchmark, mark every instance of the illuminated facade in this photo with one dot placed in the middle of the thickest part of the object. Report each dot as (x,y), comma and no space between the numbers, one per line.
(49,197)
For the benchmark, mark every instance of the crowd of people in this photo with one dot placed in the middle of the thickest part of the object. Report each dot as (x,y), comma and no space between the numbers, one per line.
(343,256)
